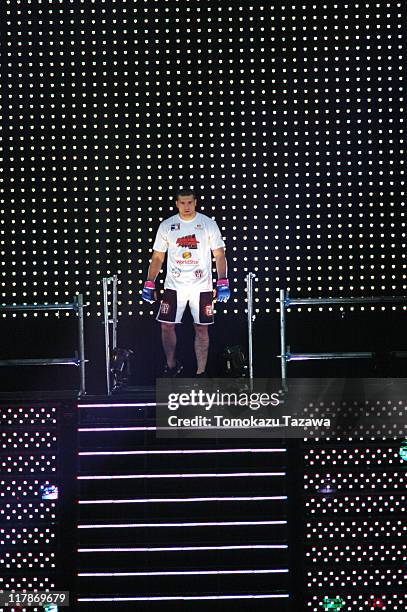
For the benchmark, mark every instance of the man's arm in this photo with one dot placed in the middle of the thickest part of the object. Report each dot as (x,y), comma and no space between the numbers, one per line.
(156,263)
(222,286)
(149,293)
(221,264)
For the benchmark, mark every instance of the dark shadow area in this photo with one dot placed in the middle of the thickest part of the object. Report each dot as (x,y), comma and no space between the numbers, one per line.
(379,332)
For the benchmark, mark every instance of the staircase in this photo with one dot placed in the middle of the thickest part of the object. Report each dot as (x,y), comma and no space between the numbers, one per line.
(175,523)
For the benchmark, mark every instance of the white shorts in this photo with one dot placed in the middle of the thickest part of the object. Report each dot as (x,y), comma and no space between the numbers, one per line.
(174,302)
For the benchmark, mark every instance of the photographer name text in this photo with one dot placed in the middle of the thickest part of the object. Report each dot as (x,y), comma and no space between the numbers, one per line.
(222,422)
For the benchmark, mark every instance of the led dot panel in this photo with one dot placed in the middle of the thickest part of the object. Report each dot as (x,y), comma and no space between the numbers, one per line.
(31,464)
(371,457)
(362,529)
(28,415)
(363,602)
(26,584)
(28,523)
(287,119)
(27,560)
(350,481)
(360,553)
(34,440)
(21,489)
(34,536)
(355,527)
(363,505)
(21,512)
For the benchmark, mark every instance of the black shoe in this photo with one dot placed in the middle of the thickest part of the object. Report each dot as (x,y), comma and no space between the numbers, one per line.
(172,372)
(201,375)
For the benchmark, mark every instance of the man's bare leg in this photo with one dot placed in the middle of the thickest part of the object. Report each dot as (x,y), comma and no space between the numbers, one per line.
(169,340)
(201,347)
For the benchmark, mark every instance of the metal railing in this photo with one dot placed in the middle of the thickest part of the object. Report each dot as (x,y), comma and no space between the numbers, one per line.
(286,302)
(250,318)
(79,359)
(107,321)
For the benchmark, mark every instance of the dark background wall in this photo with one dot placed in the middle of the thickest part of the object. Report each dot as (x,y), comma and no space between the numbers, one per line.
(288,122)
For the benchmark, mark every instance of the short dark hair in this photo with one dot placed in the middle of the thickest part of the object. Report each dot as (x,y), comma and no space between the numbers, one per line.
(184,192)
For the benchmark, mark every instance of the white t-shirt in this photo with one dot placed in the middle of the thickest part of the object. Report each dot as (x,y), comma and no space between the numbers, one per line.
(188,245)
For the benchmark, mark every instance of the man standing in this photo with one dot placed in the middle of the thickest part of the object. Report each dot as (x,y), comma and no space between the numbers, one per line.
(190,238)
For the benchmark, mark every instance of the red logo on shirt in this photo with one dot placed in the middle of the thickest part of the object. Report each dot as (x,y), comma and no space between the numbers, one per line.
(188,242)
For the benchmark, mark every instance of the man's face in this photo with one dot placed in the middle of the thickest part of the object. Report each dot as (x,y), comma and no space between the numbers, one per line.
(186,206)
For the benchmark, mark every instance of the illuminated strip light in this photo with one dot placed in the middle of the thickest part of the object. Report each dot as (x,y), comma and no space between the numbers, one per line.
(185,548)
(186,597)
(223,427)
(184,452)
(181,500)
(81,429)
(213,524)
(189,573)
(208,475)
(132,405)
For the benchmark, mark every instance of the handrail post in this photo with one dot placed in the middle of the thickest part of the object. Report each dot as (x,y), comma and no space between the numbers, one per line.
(107,335)
(81,336)
(250,317)
(282,337)
(114,315)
